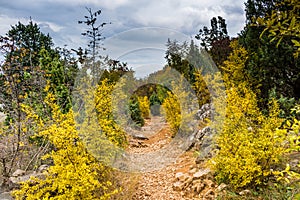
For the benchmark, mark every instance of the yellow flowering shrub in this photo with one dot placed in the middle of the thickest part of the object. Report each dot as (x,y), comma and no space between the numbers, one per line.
(75,174)
(104,107)
(293,131)
(179,106)
(172,111)
(201,88)
(89,130)
(250,142)
(144,104)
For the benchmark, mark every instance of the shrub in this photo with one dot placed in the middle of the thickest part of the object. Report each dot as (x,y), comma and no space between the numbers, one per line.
(75,174)
(250,143)
(104,107)
(172,111)
(144,105)
(179,106)
(135,111)
(201,88)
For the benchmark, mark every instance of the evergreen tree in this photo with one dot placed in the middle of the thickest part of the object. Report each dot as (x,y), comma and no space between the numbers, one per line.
(272,66)
(29,37)
(184,58)
(215,40)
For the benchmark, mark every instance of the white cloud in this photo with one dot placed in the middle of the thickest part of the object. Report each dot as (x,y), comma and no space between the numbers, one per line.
(141,38)
(59,34)
(103,4)
(59,19)
(185,16)
(54,27)
(6,22)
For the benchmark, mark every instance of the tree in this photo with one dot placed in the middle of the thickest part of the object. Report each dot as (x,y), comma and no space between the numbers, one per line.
(217,31)
(29,37)
(192,62)
(20,71)
(176,57)
(61,74)
(19,85)
(215,40)
(94,34)
(184,58)
(283,24)
(258,8)
(29,57)
(29,65)
(115,70)
(272,68)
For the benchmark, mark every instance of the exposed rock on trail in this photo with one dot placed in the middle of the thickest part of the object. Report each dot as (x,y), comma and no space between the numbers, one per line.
(168,171)
(151,151)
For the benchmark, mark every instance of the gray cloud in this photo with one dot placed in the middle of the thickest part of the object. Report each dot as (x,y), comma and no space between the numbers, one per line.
(143,49)
(59,19)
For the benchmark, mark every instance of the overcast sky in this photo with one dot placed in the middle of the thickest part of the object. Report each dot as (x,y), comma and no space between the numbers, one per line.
(139,27)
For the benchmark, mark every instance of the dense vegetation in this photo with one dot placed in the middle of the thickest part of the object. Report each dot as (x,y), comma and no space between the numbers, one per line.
(52,118)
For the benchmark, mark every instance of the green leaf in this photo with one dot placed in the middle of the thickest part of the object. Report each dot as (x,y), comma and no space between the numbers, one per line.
(296,43)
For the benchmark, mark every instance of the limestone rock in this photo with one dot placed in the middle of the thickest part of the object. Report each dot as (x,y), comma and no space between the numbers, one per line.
(188,181)
(147,193)
(202,173)
(198,187)
(6,196)
(180,176)
(18,172)
(204,112)
(221,187)
(210,183)
(178,186)
(140,137)
(2,116)
(193,170)
(210,194)
(19,179)
(43,168)
(245,192)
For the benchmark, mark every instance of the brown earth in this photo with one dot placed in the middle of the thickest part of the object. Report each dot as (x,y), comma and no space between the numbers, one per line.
(155,184)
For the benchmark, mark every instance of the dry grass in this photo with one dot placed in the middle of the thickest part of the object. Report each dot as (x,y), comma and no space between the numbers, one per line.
(128,182)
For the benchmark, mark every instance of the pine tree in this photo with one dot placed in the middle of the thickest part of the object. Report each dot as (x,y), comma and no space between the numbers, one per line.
(215,40)
(272,66)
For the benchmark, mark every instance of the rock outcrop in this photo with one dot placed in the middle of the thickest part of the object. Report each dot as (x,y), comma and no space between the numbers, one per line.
(202,139)
(21,176)
(197,183)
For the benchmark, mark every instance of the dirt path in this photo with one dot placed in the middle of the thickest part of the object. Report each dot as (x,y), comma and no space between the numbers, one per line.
(152,150)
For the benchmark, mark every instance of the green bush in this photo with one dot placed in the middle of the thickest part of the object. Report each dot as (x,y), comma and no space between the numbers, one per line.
(135,111)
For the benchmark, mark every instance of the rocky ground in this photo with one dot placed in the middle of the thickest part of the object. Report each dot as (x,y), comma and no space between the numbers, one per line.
(2,117)
(179,178)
